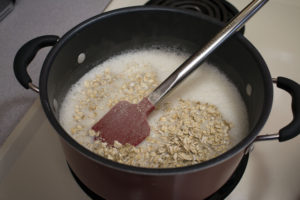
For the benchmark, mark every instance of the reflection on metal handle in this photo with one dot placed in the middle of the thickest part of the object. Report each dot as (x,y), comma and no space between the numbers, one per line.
(274,136)
(198,58)
(33,87)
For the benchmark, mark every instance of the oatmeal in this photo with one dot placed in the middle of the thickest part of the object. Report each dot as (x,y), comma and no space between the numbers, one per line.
(200,120)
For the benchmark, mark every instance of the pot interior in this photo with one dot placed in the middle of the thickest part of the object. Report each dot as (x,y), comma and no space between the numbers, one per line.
(110,34)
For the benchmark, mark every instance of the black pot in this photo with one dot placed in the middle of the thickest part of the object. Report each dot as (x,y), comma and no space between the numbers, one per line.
(111,33)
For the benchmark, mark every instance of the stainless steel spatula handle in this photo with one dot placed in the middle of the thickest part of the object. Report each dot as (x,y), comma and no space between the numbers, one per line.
(198,58)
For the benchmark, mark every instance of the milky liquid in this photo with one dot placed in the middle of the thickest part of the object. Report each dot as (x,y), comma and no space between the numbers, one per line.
(207,85)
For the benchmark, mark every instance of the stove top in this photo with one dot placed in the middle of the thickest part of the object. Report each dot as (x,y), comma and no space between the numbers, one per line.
(221,10)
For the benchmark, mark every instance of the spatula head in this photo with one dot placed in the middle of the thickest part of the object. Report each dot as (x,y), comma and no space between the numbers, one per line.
(125,123)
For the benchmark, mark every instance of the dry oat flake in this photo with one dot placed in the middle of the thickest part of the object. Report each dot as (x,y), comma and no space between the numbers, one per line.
(200,120)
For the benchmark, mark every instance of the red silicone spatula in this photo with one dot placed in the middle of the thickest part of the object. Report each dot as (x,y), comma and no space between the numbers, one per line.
(127,123)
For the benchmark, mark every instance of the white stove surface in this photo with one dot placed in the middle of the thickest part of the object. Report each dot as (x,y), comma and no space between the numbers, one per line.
(32,165)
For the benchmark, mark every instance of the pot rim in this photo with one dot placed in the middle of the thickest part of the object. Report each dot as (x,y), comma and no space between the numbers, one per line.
(141,170)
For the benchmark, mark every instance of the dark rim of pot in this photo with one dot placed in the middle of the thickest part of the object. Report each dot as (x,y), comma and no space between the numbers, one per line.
(240,147)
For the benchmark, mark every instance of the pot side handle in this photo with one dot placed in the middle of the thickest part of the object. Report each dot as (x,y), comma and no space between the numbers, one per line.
(293,128)
(26,54)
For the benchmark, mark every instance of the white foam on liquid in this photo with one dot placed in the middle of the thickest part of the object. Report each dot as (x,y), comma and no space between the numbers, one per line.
(207,85)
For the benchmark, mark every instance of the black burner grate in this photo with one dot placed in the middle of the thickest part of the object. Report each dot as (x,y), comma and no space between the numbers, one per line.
(218,9)
(221,194)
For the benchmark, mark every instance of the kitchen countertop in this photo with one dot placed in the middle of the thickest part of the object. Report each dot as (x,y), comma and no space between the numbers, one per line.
(273,168)
(30,19)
